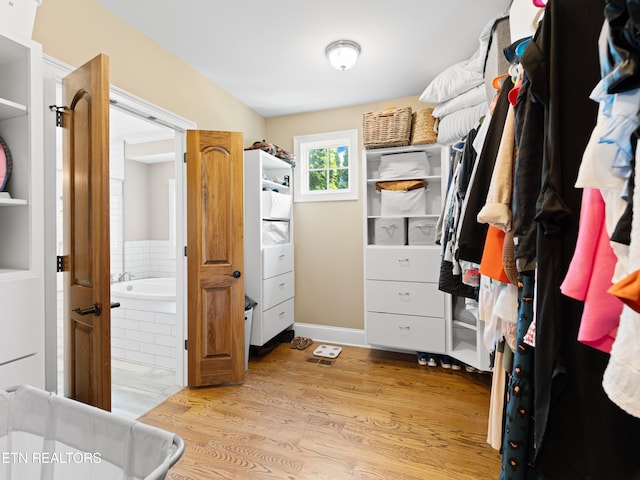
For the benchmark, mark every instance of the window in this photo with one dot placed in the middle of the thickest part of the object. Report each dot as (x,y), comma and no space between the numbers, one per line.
(327,167)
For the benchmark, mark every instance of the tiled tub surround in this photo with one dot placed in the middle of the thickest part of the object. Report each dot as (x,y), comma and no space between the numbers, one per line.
(143,330)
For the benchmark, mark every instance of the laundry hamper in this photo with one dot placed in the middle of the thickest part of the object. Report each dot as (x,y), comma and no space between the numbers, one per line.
(46,436)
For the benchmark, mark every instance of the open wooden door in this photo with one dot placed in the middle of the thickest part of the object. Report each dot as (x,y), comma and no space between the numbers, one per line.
(85,94)
(215,258)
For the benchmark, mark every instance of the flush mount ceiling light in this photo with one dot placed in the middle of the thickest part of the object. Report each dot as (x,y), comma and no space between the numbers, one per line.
(342,54)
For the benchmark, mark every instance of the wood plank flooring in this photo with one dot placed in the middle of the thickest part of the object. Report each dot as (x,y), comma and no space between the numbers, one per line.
(369,415)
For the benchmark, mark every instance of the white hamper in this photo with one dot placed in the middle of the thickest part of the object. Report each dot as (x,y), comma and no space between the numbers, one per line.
(389,231)
(404,165)
(403,203)
(45,436)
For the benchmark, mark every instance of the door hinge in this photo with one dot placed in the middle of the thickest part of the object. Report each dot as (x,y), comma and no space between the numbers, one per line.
(186,344)
(185,157)
(59,111)
(60,264)
(185,250)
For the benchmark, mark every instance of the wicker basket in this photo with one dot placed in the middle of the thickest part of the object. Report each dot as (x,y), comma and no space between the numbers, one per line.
(389,128)
(422,129)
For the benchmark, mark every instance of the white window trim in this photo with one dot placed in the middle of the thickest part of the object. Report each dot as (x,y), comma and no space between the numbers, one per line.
(303,143)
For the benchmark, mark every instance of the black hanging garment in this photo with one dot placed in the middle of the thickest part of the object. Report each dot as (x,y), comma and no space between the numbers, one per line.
(580,434)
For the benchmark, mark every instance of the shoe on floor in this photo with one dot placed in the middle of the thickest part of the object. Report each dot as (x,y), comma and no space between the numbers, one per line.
(470,369)
(295,342)
(455,365)
(445,362)
(304,343)
(432,360)
(422,359)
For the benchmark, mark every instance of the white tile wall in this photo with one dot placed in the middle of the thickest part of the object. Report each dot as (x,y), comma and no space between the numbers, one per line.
(144,337)
(149,258)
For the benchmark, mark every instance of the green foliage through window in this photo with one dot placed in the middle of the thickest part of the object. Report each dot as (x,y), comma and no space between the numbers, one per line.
(329,168)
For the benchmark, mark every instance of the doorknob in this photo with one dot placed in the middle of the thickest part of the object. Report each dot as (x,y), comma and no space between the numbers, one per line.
(93,309)
(236,274)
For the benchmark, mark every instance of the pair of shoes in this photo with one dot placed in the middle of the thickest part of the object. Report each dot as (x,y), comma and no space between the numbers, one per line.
(301,342)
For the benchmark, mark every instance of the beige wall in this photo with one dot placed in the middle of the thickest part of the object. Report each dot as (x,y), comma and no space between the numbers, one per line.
(328,235)
(74,31)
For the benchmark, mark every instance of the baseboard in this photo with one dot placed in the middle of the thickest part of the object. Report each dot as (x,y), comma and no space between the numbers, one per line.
(340,335)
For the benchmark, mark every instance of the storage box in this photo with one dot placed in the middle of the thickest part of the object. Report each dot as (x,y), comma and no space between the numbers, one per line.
(423,127)
(389,231)
(404,165)
(275,232)
(421,231)
(399,203)
(388,128)
(276,204)
(18,16)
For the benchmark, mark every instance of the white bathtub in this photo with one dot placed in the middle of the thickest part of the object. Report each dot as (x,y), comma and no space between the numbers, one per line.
(149,294)
(155,289)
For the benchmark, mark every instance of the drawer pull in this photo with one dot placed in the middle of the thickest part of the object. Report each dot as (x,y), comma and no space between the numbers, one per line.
(403,261)
(404,294)
(281,256)
(404,327)
(281,314)
(282,285)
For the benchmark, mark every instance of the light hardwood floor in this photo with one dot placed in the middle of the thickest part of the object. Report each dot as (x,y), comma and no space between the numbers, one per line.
(369,415)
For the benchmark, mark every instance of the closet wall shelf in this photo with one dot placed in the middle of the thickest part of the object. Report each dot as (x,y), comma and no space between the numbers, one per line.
(9,109)
(463,324)
(12,202)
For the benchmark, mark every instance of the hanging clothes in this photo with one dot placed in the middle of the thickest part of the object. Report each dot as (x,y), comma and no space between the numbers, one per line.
(472,234)
(579,433)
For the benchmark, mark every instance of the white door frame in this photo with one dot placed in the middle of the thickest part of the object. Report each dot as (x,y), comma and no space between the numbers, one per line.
(54,71)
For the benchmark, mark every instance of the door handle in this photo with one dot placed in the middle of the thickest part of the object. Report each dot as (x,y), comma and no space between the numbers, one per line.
(236,274)
(115,304)
(93,309)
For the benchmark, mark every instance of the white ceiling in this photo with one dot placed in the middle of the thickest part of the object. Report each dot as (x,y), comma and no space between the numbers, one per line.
(269,54)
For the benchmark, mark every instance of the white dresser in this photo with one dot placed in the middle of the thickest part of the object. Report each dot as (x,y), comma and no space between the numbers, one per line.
(269,254)
(403,307)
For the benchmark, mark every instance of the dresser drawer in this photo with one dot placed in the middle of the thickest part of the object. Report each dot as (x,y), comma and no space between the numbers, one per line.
(407,298)
(406,332)
(404,264)
(277,318)
(277,259)
(276,290)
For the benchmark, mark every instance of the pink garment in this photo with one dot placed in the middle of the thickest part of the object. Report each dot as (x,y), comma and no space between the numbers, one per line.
(589,275)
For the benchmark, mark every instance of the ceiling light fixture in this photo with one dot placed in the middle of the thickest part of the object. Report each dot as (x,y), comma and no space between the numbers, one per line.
(342,54)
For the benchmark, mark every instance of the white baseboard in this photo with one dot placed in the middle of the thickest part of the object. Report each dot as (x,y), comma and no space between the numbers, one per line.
(322,333)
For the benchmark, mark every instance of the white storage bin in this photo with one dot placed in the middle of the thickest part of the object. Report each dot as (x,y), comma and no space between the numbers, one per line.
(421,231)
(49,436)
(276,204)
(389,231)
(275,233)
(404,165)
(396,203)
(18,16)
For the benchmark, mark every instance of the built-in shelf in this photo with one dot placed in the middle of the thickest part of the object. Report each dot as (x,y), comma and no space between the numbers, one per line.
(12,202)
(9,109)
(463,324)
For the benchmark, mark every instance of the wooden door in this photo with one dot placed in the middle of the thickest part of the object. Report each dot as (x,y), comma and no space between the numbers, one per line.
(86,233)
(215,258)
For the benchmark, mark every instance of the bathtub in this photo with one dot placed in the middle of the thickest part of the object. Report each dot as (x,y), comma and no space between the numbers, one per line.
(144,327)
(149,294)
(155,289)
